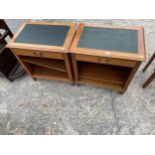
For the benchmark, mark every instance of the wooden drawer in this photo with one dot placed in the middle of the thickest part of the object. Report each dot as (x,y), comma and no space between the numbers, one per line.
(110,61)
(44,54)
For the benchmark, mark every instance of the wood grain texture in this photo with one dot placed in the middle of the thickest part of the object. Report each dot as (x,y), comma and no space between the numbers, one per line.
(102,67)
(68,66)
(103,60)
(63,48)
(56,67)
(75,68)
(149,62)
(100,74)
(45,73)
(131,75)
(149,80)
(47,63)
(42,54)
(141,56)
(104,73)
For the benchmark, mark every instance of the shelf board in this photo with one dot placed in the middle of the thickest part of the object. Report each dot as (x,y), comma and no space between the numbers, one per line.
(103,73)
(45,73)
(57,65)
(114,86)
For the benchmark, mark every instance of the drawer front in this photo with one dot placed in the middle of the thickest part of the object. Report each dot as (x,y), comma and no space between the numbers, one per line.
(44,54)
(110,61)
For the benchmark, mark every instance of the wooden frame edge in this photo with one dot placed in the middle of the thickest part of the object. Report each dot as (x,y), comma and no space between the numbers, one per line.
(63,48)
(140,56)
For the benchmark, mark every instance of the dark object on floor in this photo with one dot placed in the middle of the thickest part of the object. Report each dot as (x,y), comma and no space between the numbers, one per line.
(9,66)
(152,77)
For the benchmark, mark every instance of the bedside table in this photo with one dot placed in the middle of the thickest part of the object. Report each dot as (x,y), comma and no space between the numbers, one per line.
(107,56)
(42,49)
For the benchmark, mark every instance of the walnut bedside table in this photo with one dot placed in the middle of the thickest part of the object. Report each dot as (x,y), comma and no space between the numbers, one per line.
(42,49)
(107,55)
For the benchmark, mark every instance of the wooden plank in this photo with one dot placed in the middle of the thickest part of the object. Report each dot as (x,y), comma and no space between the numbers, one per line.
(68,66)
(42,54)
(149,80)
(75,67)
(103,60)
(131,75)
(49,63)
(140,56)
(149,62)
(105,73)
(116,87)
(41,72)
(112,26)
(63,48)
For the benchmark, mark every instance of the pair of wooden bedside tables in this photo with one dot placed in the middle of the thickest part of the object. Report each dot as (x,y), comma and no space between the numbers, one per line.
(102,55)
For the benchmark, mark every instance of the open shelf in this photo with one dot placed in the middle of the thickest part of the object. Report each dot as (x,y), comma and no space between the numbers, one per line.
(103,75)
(42,72)
(115,86)
(53,64)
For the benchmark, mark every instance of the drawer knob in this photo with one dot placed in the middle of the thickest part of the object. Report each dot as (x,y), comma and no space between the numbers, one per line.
(106,60)
(41,54)
(99,59)
(102,60)
(35,53)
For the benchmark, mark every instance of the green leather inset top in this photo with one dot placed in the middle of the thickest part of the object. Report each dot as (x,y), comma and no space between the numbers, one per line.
(111,39)
(43,35)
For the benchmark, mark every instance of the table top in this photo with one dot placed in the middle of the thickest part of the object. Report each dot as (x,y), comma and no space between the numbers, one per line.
(110,41)
(52,35)
(56,36)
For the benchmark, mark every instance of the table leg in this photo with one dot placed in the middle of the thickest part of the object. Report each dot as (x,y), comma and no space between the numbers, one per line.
(149,80)
(75,68)
(130,77)
(150,61)
(68,67)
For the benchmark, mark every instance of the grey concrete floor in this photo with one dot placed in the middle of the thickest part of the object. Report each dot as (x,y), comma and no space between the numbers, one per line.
(53,107)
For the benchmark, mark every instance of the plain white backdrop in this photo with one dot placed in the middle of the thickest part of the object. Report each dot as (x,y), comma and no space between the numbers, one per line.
(95,9)
(77,145)
(75,9)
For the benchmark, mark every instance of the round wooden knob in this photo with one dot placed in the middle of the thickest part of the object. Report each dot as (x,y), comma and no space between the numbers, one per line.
(99,59)
(41,54)
(35,53)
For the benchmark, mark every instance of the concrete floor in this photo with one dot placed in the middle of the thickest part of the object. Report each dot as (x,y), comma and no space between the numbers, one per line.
(52,107)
